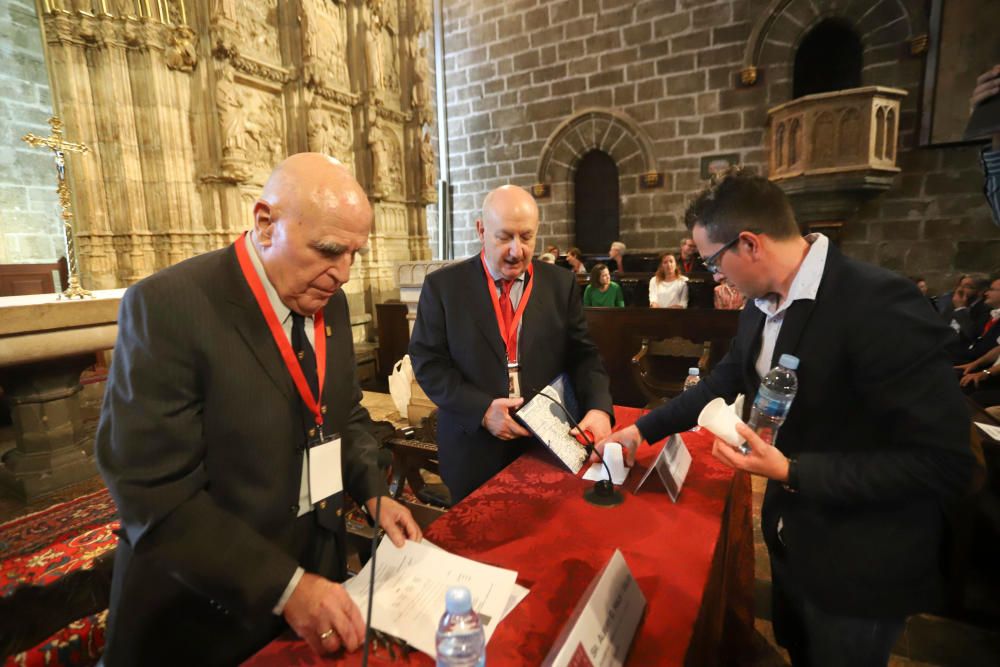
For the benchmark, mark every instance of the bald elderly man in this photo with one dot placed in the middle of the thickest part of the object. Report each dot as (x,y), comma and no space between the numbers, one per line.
(230,429)
(494,329)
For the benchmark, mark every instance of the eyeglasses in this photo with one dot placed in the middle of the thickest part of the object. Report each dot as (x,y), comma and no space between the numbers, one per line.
(712,262)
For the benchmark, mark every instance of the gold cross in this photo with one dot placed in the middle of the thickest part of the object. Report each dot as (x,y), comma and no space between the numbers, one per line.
(59,147)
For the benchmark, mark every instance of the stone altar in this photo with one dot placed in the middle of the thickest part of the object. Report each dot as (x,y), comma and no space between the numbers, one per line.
(44,346)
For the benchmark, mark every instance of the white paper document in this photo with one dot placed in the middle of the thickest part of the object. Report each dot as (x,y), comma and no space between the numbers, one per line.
(410,587)
(990,430)
(616,464)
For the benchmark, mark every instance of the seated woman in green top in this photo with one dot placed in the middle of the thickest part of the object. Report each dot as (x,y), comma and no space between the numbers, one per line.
(601,291)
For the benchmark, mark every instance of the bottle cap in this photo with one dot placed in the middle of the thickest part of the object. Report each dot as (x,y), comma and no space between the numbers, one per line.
(458,600)
(789,361)
(694,371)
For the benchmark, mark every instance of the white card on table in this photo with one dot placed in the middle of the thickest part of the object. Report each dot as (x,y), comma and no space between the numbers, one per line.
(616,464)
(325,478)
(671,466)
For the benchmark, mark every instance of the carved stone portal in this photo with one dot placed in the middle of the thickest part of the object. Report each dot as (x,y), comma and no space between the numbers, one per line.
(187,107)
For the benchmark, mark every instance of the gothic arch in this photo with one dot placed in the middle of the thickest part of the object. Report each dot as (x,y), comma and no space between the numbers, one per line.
(779,30)
(610,131)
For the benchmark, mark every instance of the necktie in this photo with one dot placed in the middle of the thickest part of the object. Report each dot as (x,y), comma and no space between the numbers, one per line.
(989,325)
(507,311)
(305,353)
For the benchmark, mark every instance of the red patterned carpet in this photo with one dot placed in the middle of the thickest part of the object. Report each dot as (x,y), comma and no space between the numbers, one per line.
(42,548)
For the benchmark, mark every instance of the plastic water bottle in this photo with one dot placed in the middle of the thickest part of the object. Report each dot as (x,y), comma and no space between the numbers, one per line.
(693,378)
(774,399)
(461,641)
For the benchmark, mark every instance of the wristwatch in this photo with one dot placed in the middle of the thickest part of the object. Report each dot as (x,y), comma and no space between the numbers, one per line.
(792,485)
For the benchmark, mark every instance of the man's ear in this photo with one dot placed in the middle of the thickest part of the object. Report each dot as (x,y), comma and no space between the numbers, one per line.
(752,243)
(263,223)
(481,230)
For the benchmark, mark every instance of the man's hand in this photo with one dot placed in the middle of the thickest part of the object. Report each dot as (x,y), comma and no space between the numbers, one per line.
(987,85)
(498,421)
(630,439)
(322,613)
(966,368)
(763,459)
(973,378)
(396,521)
(597,422)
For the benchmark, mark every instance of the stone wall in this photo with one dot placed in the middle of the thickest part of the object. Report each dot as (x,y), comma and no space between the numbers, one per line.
(535,84)
(30,229)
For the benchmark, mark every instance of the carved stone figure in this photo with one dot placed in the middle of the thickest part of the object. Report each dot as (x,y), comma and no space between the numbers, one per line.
(427,168)
(373,52)
(390,61)
(380,160)
(422,20)
(342,139)
(232,115)
(421,77)
(180,53)
(324,27)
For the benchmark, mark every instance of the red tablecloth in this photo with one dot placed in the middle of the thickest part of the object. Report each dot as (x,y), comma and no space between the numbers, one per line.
(693,559)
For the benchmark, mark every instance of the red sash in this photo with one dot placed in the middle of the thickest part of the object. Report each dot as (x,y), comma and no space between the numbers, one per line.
(508,335)
(281,340)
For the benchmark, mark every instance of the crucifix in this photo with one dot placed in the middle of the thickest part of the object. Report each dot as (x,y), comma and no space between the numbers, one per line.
(58,146)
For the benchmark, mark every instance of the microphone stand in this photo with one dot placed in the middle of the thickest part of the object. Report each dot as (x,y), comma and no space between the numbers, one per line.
(371,582)
(603,493)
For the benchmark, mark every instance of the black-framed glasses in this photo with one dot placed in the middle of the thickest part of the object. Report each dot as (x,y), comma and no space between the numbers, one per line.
(712,262)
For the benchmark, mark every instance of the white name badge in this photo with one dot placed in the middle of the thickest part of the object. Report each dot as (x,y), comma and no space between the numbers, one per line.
(671,466)
(325,478)
(513,381)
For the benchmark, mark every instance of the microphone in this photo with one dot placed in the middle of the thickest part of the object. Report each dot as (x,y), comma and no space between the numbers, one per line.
(371,582)
(603,493)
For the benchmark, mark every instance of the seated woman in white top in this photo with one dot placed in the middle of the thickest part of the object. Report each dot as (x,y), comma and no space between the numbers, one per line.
(668,288)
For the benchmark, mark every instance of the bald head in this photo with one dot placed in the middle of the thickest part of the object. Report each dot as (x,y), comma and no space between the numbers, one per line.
(312,183)
(310,221)
(508,230)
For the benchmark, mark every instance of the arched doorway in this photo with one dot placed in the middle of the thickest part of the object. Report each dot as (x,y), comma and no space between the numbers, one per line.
(829,58)
(597,207)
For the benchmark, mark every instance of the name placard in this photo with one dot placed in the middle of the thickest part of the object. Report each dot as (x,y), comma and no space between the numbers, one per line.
(603,624)
(671,466)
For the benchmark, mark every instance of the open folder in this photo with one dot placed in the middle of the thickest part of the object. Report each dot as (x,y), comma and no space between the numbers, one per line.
(547,421)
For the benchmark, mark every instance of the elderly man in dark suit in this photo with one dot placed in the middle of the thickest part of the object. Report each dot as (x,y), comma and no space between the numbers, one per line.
(231,428)
(876,443)
(493,329)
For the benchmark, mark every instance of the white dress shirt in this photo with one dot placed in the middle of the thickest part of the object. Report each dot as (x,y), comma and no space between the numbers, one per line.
(804,286)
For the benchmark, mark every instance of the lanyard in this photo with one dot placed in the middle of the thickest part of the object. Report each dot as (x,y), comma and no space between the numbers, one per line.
(281,340)
(509,337)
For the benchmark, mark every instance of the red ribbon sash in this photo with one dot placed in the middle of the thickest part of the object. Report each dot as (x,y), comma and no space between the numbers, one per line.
(509,336)
(281,340)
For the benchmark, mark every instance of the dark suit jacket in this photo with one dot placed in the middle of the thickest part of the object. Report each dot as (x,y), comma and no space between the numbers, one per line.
(460,362)
(880,432)
(201,441)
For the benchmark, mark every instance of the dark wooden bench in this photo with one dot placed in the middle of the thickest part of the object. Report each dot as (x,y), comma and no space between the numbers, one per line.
(619,334)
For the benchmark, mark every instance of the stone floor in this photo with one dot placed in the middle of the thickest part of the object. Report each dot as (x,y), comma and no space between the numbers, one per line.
(928,641)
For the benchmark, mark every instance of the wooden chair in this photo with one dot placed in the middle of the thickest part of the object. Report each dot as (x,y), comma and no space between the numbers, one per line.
(619,334)
(661,366)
